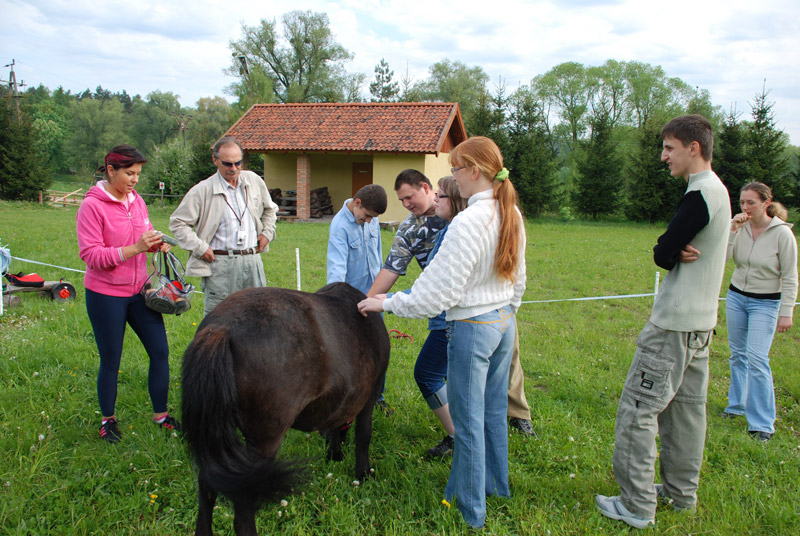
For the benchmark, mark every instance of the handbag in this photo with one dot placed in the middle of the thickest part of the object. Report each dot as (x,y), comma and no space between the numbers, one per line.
(166,290)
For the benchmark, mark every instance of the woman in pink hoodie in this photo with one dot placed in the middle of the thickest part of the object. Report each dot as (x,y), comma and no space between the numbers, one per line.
(114,236)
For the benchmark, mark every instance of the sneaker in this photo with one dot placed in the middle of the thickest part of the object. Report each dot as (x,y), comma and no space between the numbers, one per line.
(612,507)
(443,449)
(170,423)
(384,407)
(523,426)
(662,494)
(109,431)
(761,436)
(726,415)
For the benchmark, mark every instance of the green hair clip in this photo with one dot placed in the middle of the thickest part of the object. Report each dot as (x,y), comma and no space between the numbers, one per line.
(501,175)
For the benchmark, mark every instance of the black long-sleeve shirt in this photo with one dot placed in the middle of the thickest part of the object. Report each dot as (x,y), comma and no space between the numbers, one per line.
(690,217)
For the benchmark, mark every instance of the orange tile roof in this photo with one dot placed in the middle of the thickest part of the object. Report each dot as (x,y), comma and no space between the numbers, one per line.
(407,127)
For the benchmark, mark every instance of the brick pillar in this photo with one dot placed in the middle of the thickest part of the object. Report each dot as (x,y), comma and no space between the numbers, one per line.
(304,187)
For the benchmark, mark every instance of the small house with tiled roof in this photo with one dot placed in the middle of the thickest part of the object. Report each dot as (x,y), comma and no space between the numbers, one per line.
(344,146)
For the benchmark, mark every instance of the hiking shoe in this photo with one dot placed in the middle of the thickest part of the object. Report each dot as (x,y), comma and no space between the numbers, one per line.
(384,407)
(761,436)
(170,423)
(612,507)
(523,426)
(109,431)
(662,494)
(444,448)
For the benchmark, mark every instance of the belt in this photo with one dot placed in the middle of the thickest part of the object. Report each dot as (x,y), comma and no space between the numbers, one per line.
(250,251)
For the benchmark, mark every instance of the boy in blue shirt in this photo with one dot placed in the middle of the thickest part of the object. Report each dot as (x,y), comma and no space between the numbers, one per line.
(354,243)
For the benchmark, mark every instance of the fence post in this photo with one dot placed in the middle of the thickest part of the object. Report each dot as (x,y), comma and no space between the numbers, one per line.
(40,197)
(655,290)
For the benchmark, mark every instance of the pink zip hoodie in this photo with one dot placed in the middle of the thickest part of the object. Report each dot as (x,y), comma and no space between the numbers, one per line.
(105,225)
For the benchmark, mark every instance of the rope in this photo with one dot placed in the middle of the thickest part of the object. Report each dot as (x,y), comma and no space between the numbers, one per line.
(68,269)
(5,254)
(397,334)
(593,298)
(51,265)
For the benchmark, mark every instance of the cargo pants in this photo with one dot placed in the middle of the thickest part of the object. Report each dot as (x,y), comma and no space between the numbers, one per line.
(665,394)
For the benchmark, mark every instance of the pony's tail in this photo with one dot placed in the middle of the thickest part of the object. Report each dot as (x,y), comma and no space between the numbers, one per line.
(210,423)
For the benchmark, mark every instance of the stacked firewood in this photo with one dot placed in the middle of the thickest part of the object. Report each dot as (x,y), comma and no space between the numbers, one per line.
(287,202)
(320,202)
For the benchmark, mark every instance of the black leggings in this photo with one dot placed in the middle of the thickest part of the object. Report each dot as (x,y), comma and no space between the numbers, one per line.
(108,315)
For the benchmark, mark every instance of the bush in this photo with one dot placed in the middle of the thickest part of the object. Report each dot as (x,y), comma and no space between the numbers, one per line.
(171,164)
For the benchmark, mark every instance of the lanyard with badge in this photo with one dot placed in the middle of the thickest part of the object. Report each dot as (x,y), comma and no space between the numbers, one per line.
(241,235)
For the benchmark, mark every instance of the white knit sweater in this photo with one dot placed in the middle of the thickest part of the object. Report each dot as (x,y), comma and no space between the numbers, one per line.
(461,278)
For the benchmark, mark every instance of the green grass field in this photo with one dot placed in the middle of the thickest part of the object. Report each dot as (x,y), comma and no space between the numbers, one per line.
(57,477)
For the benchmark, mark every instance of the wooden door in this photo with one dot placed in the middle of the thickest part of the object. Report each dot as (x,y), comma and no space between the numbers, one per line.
(362,175)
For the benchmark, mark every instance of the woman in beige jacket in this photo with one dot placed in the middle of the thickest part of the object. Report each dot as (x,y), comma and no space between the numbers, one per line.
(760,299)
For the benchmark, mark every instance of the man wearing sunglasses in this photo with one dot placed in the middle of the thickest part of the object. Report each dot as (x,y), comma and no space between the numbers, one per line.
(225,222)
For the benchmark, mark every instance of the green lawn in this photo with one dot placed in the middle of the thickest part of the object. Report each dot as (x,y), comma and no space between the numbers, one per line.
(57,477)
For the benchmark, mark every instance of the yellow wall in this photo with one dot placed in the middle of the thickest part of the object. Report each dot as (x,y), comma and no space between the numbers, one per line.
(336,172)
(280,171)
(385,168)
(437,167)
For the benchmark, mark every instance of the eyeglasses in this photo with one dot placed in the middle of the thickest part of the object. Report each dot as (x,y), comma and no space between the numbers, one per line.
(231,164)
(454,169)
(437,195)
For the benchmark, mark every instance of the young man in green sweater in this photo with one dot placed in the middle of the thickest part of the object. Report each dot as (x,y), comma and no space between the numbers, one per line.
(665,390)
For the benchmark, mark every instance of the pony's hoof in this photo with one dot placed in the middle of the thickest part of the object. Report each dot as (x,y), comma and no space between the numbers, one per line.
(336,456)
(363,475)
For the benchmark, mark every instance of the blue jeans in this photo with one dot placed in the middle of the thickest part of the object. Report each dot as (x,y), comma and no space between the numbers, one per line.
(430,370)
(109,315)
(479,356)
(751,326)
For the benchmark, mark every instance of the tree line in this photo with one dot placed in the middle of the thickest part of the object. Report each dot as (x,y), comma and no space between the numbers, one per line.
(578,139)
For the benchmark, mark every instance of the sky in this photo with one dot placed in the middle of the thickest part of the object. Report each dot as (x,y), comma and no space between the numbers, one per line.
(732,48)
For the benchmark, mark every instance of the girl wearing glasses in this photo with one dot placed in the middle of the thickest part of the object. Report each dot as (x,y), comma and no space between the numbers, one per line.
(430,370)
(478,278)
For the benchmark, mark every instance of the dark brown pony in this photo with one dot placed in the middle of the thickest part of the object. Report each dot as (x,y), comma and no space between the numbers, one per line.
(266,360)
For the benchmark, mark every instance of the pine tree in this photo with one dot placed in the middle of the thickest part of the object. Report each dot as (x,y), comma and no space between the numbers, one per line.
(530,156)
(383,89)
(22,175)
(599,183)
(653,194)
(766,146)
(730,156)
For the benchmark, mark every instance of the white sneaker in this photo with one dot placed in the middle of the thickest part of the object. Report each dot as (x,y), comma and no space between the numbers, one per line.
(612,507)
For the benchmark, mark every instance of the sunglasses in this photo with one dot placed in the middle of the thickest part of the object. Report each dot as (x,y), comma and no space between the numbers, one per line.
(231,164)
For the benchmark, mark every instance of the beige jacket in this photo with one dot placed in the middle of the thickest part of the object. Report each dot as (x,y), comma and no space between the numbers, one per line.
(197,218)
(767,265)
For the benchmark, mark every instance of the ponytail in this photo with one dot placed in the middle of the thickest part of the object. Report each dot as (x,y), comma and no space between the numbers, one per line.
(483,153)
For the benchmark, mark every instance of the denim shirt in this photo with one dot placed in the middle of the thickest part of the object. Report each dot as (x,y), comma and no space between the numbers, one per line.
(354,251)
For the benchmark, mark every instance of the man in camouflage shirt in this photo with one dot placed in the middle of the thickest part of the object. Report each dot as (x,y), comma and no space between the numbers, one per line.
(415,236)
